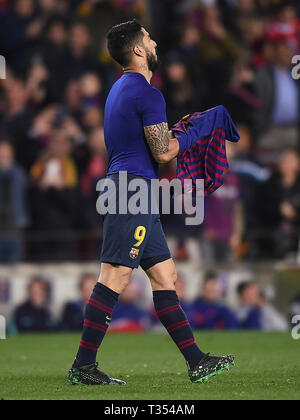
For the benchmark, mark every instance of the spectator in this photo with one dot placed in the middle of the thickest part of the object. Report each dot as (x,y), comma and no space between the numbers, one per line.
(208,312)
(92,101)
(16,34)
(96,169)
(47,8)
(55,56)
(188,49)
(99,17)
(178,89)
(33,315)
(92,117)
(17,120)
(13,208)
(223,221)
(72,97)
(72,318)
(80,59)
(110,71)
(217,51)
(252,177)
(249,312)
(281,206)
(54,199)
(278,116)
(91,90)
(252,28)
(41,129)
(37,85)
(241,97)
(286,24)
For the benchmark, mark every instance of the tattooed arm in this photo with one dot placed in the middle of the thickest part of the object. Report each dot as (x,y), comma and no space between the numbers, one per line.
(163,146)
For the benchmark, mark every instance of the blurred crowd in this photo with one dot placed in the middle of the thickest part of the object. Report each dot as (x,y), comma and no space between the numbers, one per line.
(52,153)
(207,311)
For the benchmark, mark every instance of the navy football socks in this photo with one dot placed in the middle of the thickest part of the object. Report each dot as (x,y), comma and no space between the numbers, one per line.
(97,317)
(173,318)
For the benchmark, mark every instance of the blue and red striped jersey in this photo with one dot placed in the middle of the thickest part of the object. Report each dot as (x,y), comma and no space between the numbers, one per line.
(206,158)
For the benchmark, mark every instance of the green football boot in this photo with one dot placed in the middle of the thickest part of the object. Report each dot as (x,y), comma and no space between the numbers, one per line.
(90,375)
(209,366)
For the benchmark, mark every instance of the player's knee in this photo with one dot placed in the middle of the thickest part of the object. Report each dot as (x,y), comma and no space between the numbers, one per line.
(118,285)
(164,282)
(173,278)
(114,278)
(124,281)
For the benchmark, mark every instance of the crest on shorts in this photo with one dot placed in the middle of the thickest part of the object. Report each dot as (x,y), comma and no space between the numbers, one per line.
(134,253)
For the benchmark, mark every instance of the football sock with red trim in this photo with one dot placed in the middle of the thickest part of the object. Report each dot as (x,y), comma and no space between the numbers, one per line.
(173,318)
(97,317)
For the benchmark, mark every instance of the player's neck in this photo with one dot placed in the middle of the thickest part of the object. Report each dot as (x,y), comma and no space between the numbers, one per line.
(142,69)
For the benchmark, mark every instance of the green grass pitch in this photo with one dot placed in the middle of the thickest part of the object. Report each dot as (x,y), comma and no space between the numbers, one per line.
(267,367)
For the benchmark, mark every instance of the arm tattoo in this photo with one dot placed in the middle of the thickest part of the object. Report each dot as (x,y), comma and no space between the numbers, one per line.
(158,138)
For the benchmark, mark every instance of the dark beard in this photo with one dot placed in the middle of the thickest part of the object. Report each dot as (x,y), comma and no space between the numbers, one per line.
(152,62)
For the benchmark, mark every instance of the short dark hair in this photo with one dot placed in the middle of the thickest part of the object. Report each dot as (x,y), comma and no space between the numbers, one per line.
(40,281)
(210,276)
(242,286)
(121,40)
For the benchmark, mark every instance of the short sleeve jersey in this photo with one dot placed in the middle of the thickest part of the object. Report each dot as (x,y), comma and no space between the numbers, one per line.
(131,105)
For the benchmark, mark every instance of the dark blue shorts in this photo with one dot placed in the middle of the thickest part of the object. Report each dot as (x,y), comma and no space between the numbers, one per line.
(133,240)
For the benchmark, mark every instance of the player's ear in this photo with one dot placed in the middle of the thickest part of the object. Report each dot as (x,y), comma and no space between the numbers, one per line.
(138,51)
